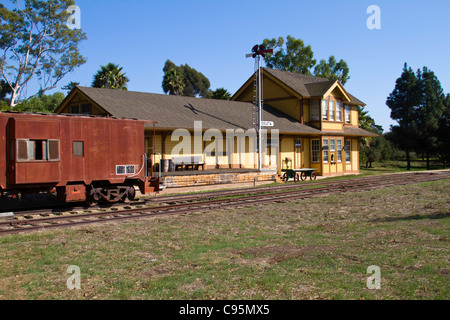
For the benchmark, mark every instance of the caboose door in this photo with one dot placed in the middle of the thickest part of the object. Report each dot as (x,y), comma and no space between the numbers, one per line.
(35,151)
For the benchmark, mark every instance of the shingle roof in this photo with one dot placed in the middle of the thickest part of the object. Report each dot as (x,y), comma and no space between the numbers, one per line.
(358,132)
(307,86)
(173,112)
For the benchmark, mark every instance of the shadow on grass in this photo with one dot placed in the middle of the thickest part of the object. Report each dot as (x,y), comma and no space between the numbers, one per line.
(433,216)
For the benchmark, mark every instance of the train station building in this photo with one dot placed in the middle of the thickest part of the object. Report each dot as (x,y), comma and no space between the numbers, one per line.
(313,123)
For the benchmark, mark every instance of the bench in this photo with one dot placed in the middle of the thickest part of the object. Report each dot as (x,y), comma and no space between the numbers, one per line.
(188,162)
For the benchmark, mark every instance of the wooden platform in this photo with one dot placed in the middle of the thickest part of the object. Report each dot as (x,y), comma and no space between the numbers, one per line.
(177,179)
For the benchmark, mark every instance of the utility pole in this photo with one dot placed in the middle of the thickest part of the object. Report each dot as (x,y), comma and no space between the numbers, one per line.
(258,51)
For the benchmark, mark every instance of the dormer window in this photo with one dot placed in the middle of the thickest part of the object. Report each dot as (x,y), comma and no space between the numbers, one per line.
(331,108)
(324,110)
(338,110)
(315,113)
(84,108)
(347,114)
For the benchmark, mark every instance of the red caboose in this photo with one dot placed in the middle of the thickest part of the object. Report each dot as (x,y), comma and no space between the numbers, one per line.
(82,158)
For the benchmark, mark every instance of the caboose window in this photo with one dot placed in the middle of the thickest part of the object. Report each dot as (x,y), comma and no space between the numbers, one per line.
(37,150)
(53,150)
(78,149)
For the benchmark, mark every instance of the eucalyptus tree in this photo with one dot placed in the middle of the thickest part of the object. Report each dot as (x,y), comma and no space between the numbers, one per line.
(293,55)
(37,44)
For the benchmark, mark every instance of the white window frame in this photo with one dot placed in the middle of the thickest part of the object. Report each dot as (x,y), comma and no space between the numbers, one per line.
(338,110)
(326,150)
(332,110)
(348,118)
(315,110)
(315,150)
(324,109)
(348,151)
(339,149)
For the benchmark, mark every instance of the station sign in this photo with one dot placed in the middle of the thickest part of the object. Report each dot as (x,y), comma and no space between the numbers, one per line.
(267,123)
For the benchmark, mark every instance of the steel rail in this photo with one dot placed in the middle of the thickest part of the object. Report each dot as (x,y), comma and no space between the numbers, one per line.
(55,222)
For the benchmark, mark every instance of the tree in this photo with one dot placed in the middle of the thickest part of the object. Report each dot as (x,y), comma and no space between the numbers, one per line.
(292,55)
(333,70)
(404,102)
(37,43)
(430,111)
(4,89)
(371,149)
(295,57)
(195,83)
(111,77)
(443,133)
(70,86)
(41,103)
(173,82)
(221,94)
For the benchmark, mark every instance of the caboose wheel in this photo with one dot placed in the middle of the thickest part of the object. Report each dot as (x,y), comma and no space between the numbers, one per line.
(285,177)
(296,177)
(313,176)
(96,196)
(131,193)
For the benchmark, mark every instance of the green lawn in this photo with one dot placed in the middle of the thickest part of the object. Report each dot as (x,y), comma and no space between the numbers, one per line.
(305,249)
(400,166)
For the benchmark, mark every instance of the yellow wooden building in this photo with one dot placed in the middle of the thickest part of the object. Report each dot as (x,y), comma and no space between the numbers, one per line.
(315,123)
(317,103)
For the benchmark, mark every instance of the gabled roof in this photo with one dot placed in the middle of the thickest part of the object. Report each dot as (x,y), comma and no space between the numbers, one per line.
(305,85)
(173,112)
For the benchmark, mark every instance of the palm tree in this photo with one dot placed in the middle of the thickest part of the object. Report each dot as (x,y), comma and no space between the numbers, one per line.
(111,77)
(221,94)
(173,82)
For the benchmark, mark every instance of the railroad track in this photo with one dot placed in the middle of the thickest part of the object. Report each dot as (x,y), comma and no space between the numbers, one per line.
(185,204)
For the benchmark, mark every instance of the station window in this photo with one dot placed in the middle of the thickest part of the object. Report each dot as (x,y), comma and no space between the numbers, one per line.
(347,114)
(324,110)
(315,148)
(272,142)
(85,108)
(338,111)
(348,149)
(332,145)
(325,150)
(332,111)
(315,106)
(339,150)
(75,109)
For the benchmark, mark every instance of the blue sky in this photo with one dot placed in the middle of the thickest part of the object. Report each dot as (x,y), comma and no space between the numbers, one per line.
(214,36)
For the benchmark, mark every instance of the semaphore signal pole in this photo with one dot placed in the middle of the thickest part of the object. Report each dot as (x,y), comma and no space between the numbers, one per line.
(259,51)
